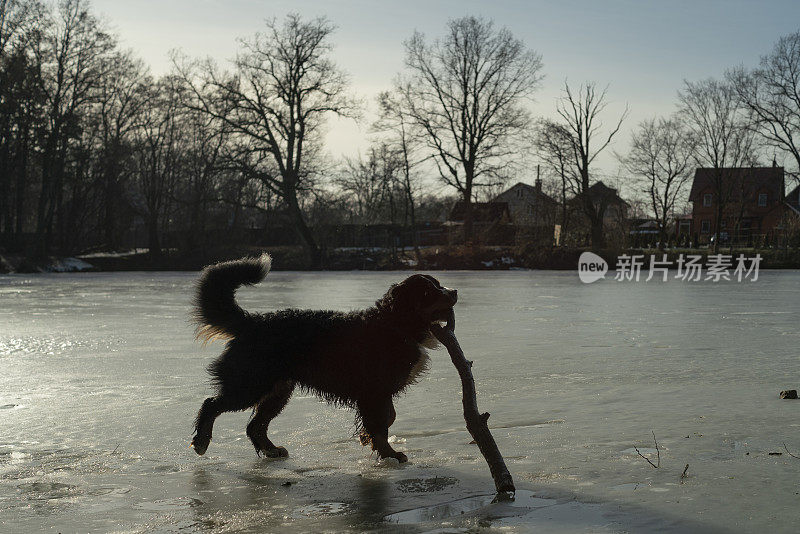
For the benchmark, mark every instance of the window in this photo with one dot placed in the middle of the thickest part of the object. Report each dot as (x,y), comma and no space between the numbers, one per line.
(762,200)
(707,200)
(705,227)
(520,193)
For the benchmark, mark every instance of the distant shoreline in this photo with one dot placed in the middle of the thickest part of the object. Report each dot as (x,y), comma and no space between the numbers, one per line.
(441,258)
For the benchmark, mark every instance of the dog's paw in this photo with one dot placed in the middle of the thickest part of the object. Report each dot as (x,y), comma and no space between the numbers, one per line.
(277,452)
(402,458)
(200,444)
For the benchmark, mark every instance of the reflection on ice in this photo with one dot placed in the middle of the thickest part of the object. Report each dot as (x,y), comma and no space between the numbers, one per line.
(321,508)
(490,505)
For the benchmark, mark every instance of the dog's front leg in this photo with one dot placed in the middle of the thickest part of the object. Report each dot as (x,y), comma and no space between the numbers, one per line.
(377,417)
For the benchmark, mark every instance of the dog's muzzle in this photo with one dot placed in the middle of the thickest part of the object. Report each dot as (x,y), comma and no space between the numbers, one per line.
(452,294)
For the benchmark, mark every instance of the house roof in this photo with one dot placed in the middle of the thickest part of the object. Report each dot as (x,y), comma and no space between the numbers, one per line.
(600,191)
(481,211)
(770,178)
(530,189)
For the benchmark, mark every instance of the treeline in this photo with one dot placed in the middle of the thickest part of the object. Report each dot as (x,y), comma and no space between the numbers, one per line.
(93,147)
(90,141)
(750,116)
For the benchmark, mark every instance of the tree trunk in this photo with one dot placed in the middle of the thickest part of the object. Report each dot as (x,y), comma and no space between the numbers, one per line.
(302,229)
(598,239)
(413,215)
(153,242)
(469,217)
(21,182)
(563,207)
(717,225)
(5,186)
(41,246)
(110,199)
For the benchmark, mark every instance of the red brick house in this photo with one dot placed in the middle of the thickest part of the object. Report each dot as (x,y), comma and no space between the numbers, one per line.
(793,201)
(753,202)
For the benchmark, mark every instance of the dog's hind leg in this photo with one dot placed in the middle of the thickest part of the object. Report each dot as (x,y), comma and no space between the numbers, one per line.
(377,417)
(267,409)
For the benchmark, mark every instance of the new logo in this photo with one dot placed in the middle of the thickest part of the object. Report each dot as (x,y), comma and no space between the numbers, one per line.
(591,267)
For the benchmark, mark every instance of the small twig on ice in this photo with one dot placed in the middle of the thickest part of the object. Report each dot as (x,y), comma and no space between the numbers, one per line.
(645,457)
(658,454)
(789,453)
(684,476)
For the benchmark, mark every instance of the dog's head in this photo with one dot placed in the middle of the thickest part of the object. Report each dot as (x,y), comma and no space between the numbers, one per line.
(422,297)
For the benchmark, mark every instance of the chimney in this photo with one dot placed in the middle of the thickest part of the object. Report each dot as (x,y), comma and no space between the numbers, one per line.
(774,162)
(538,182)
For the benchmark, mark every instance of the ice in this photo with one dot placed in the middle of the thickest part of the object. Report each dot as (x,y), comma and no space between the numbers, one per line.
(101,380)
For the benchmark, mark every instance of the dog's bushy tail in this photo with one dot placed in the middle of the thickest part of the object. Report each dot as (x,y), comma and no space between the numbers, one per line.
(215,310)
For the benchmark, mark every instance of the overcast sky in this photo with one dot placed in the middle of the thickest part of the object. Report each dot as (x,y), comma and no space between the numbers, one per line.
(642,49)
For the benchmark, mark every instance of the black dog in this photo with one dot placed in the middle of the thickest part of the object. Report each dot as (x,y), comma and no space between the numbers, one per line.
(359,359)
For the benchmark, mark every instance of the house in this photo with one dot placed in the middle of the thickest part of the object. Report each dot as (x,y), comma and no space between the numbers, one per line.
(683,228)
(793,201)
(528,206)
(482,213)
(616,209)
(753,202)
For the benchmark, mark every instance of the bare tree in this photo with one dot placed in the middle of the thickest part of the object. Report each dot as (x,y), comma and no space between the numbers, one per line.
(72,56)
(553,145)
(771,95)
(157,151)
(660,160)
(397,124)
(282,89)
(18,19)
(711,110)
(120,103)
(203,170)
(465,93)
(19,103)
(580,113)
(369,183)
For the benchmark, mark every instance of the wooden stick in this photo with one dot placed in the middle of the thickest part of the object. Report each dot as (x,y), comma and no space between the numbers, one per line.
(476,422)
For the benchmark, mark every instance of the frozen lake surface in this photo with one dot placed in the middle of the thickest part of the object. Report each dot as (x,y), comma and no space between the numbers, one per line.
(100,380)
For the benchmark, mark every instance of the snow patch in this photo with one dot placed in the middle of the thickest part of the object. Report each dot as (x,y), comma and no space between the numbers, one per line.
(69,265)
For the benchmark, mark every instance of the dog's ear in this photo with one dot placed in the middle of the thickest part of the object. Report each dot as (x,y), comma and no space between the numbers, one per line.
(399,297)
(387,301)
